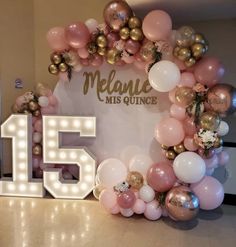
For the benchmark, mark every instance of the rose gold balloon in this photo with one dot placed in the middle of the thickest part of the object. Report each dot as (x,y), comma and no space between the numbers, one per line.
(181,203)
(184,96)
(222,98)
(117,14)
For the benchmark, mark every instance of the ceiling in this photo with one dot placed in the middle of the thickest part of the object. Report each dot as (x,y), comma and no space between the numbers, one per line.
(187,10)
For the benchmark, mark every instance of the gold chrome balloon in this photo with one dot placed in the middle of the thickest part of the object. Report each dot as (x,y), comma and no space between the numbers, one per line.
(56,58)
(190,62)
(134,22)
(102,51)
(52,68)
(184,54)
(37,150)
(176,51)
(124,33)
(135,180)
(198,50)
(147,51)
(209,120)
(184,96)
(199,38)
(179,148)
(113,55)
(63,67)
(164,147)
(101,41)
(33,105)
(136,34)
(170,154)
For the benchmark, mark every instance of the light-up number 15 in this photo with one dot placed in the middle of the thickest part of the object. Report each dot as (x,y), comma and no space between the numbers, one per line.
(18,128)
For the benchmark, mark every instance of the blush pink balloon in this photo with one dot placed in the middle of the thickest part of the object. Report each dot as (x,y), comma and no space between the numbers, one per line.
(153,210)
(77,35)
(56,39)
(112,38)
(115,209)
(128,59)
(190,144)
(177,112)
(126,199)
(97,60)
(139,206)
(223,158)
(212,162)
(83,52)
(189,126)
(187,79)
(132,46)
(169,132)
(179,63)
(107,199)
(38,125)
(209,71)
(157,25)
(171,95)
(161,177)
(126,212)
(209,191)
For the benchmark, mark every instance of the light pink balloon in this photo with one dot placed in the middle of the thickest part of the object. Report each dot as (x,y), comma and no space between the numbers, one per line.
(126,212)
(139,206)
(169,132)
(128,59)
(177,112)
(115,209)
(209,71)
(36,161)
(209,191)
(179,63)
(107,198)
(84,61)
(153,210)
(223,158)
(56,39)
(77,35)
(190,144)
(83,52)
(140,65)
(171,95)
(132,46)
(157,25)
(189,126)
(97,60)
(187,79)
(38,126)
(212,162)
(112,38)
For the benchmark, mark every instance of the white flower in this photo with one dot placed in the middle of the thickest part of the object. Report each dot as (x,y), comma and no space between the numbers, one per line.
(207,137)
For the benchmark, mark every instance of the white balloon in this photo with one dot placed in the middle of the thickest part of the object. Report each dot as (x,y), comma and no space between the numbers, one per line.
(164,76)
(189,167)
(37,137)
(92,25)
(146,193)
(43,101)
(126,212)
(223,129)
(140,163)
(111,172)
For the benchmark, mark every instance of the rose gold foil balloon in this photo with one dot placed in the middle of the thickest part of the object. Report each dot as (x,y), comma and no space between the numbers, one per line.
(181,203)
(222,98)
(117,14)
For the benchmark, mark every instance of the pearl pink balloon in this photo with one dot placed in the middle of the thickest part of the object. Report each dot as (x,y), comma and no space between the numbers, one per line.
(107,198)
(157,25)
(112,38)
(97,60)
(38,126)
(209,71)
(126,199)
(56,39)
(37,137)
(92,25)
(177,112)
(210,193)
(161,177)
(171,95)
(223,158)
(132,46)
(153,210)
(190,144)
(126,212)
(139,206)
(187,79)
(179,63)
(77,35)
(189,126)
(83,52)
(169,132)
(212,162)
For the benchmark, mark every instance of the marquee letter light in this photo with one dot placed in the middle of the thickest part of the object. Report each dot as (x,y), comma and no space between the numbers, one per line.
(18,128)
(52,153)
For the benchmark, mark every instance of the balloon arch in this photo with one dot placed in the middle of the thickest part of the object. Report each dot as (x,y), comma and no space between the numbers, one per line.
(191,137)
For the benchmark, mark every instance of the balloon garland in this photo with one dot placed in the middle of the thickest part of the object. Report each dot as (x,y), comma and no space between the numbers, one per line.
(191,138)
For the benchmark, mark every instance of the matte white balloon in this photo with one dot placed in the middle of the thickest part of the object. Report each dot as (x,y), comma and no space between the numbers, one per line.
(146,193)
(189,167)
(140,163)
(92,25)
(164,76)
(223,129)
(43,101)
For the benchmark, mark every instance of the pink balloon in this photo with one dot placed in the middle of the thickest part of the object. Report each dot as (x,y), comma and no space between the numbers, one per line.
(169,132)
(209,191)
(212,162)
(84,61)
(126,199)
(153,210)
(36,161)
(140,65)
(38,125)
(177,112)
(139,206)
(83,52)
(128,59)
(209,71)
(77,35)
(112,38)
(97,60)
(179,63)
(171,95)
(126,212)
(187,79)
(53,100)
(190,144)
(132,46)
(115,209)
(49,110)
(157,25)
(107,198)
(189,126)
(223,158)
(161,177)
(56,39)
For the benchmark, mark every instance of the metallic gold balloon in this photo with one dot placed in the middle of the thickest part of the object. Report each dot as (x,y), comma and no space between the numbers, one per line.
(37,150)
(113,56)
(179,148)
(218,142)
(209,120)
(181,203)
(164,147)
(134,22)
(199,38)
(136,34)
(124,33)
(185,36)
(184,54)
(63,67)
(190,62)
(33,106)
(116,14)
(170,154)
(198,50)
(184,96)
(135,180)
(97,191)
(52,68)
(56,58)
(101,41)
(36,113)
(102,51)
(92,48)
(176,51)
(147,51)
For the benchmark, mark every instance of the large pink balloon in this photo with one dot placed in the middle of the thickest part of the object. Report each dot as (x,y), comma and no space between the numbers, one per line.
(77,35)
(187,79)
(190,144)
(161,177)
(56,39)
(209,71)
(132,46)
(157,25)
(210,193)
(126,199)
(169,132)
(177,112)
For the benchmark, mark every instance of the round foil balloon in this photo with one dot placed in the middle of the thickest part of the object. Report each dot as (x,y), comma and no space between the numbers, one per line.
(181,203)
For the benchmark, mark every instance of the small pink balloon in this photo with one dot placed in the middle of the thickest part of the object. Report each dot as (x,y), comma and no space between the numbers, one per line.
(112,38)
(78,67)
(63,76)
(179,63)
(153,210)
(140,65)
(139,206)
(171,95)
(107,199)
(212,162)
(126,212)
(223,158)
(177,112)
(187,79)
(97,60)
(209,71)
(83,52)
(115,209)
(38,126)
(53,100)
(128,59)
(126,199)
(169,132)
(49,110)
(190,144)
(189,126)
(84,61)
(56,39)
(77,35)
(36,160)
(132,46)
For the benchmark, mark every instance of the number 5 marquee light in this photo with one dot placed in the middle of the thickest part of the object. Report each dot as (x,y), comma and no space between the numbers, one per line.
(18,128)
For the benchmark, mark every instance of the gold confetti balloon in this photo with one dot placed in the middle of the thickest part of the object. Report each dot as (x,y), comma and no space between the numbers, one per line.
(135,180)
(185,36)
(209,121)
(179,148)
(184,96)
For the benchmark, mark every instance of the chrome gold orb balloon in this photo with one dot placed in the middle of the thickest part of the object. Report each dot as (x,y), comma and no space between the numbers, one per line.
(101,41)
(63,67)
(136,34)
(52,68)
(134,22)
(190,62)
(135,180)
(184,54)
(179,148)
(170,154)
(56,58)
(124,33)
